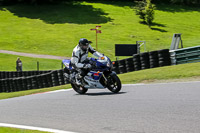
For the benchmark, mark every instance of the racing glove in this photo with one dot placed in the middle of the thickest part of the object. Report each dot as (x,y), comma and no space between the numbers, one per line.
(87,66)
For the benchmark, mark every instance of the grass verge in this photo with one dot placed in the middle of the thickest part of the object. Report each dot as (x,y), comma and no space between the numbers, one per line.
(168,73)
(8,63)
(34,91)
(15,130)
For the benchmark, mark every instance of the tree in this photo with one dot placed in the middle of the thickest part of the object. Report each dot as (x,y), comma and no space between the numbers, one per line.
(149,12)
(140,9)
(145,10)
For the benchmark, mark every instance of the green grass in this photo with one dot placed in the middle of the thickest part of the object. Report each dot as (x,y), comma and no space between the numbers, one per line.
(14,130)
(183,71)
(8,63)
(28,92)
(56,29)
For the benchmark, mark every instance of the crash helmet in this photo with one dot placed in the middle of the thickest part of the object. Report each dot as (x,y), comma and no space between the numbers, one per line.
(83,44)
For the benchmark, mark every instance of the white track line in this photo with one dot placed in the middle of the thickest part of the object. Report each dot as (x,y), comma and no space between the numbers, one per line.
(59,90)
(34,128)
(132,84)
(140,84)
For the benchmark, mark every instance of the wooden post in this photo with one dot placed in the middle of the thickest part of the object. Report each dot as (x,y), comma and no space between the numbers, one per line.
(38,67)
(61,65)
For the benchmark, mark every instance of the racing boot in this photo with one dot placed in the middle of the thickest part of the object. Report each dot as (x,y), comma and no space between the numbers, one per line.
(78,79)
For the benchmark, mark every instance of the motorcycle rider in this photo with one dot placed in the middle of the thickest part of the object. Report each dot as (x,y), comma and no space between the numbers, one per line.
(80,60)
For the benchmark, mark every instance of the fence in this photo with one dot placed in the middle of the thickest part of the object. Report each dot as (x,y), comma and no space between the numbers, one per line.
(185,55)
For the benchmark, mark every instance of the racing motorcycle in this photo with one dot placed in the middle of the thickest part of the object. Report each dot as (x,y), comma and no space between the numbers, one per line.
(99,76)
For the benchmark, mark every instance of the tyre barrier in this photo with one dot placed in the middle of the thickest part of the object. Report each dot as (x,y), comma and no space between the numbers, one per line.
(44,79)
(14,74)
(142,61)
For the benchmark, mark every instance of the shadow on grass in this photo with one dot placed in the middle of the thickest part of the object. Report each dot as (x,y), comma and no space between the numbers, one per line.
(159,6)
(158,25)
(155,24)
(61,13)
(158,29)
(114,2)
(176,8)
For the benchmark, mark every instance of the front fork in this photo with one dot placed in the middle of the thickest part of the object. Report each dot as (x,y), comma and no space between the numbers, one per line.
(105,75)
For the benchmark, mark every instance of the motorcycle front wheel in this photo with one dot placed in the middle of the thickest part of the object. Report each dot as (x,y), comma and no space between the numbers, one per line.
(114,83)
(79,89)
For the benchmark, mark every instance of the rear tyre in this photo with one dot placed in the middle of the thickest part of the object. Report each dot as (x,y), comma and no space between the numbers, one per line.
(79,89)
(114,83)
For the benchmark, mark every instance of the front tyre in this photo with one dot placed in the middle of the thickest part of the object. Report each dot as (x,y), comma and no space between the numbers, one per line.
(79,89)
(114,83)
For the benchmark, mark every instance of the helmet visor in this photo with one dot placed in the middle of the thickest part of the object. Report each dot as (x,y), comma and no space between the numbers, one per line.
(84,46)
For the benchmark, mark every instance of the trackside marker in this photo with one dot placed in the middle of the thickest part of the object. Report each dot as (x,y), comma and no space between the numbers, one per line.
(34,128)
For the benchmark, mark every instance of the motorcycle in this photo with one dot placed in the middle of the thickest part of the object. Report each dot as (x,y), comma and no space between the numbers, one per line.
(99,76)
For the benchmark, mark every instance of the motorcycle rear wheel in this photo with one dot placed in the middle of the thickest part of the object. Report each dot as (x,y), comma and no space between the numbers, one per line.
(79,89)
(114,83)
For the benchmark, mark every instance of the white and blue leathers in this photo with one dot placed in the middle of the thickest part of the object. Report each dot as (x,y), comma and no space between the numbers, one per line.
(79,56)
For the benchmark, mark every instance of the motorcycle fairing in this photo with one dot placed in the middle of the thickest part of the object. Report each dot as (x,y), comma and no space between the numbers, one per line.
(67,63)
(92,78)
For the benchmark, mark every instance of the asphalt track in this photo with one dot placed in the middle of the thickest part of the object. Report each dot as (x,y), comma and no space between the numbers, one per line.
(152,108)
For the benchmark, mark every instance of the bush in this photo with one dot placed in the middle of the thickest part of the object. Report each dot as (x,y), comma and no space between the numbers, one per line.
(145,10)
(140,9)
(149,12)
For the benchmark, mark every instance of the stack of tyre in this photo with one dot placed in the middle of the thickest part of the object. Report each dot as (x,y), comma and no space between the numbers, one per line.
(144,59)
(164,57)
(129,64)
(136,62)
(122,66)
(58,78)
(153,59)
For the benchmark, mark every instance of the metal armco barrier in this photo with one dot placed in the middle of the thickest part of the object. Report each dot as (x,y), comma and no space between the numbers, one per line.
(185,55)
